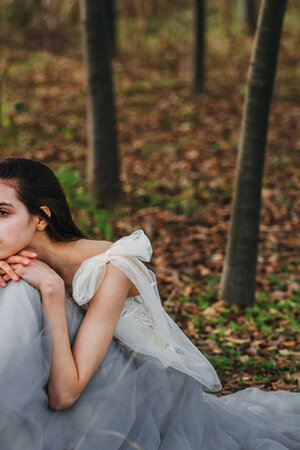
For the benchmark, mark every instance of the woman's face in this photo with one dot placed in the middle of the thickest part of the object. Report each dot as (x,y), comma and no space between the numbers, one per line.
(17,226)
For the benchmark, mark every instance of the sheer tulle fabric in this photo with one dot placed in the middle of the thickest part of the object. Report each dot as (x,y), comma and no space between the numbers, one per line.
(144,326)
(133,400)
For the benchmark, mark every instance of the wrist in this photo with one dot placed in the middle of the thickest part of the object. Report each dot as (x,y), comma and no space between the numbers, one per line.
(55,286)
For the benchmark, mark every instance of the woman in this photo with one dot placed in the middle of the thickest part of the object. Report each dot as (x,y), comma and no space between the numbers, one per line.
(89,359)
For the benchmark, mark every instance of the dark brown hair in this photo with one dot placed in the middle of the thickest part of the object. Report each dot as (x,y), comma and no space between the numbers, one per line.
(36,185)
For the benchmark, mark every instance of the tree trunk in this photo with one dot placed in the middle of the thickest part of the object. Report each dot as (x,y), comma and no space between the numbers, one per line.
(238,278)
(103,160)
(111,21)
(199,46)
(249,16)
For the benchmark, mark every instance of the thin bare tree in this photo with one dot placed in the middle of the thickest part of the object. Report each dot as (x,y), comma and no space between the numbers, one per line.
(103,160)
(239,271)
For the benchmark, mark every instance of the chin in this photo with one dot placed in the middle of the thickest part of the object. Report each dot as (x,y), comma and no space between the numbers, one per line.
(6,254)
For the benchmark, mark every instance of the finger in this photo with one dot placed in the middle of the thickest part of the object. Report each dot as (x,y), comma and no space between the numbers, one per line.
(19,269)
(16,266)
(28,253)
(5,276)
(2,282)
(18,259)
(9,270)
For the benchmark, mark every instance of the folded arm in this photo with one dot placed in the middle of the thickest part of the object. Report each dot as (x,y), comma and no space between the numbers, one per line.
(72,369)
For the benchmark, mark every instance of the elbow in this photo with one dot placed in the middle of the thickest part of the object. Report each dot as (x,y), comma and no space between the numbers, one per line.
(59,404)
(62,397)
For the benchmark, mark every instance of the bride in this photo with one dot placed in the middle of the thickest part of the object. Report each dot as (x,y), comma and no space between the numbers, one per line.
(89,359)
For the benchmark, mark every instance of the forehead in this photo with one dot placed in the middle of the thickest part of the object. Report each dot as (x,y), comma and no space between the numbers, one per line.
(8,193)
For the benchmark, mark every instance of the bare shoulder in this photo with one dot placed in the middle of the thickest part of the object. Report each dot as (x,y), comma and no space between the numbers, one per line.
(94,247)
(105,245)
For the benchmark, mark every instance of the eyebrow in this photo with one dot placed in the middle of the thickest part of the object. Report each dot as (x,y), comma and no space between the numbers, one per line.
(6,204)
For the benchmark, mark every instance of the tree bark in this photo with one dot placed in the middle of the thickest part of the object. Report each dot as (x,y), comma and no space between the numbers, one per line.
(103,160)
(239,271)
(199,46)
(249,16)
(111,21)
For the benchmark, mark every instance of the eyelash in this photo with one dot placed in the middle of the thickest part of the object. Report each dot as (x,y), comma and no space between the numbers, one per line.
(4,213)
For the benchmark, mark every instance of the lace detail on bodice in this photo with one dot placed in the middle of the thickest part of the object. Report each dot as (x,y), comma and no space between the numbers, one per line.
(136,308)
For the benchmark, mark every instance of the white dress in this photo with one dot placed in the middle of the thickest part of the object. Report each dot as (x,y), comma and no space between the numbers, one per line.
(150,392)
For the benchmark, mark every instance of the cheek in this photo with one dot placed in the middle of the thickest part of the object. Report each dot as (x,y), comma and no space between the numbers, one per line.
(14,236)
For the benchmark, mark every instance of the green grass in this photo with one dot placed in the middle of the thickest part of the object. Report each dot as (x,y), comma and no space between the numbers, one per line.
(256,343)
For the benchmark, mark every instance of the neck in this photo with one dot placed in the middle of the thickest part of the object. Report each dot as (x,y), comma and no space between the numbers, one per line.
(63,257)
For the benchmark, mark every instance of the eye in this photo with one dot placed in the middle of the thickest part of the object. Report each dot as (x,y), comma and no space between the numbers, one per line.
(3,213)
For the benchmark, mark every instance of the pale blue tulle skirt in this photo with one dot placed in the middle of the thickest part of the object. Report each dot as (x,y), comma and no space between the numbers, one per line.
(131,402)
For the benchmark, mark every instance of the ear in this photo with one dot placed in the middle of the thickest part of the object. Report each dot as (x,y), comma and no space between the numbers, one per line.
(42,222)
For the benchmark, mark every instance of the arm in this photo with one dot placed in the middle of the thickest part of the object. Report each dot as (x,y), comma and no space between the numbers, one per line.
(72,369)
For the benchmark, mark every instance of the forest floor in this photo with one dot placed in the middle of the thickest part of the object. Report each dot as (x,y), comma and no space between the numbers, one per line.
(178,155)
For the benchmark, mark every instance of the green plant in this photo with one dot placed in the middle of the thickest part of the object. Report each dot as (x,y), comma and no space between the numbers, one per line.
(91,218)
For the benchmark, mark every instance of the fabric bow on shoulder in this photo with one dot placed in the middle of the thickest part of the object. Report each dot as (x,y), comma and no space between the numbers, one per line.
(91,272)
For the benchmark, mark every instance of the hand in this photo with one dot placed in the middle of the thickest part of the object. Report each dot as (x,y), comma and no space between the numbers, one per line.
(7,272)
(41,276)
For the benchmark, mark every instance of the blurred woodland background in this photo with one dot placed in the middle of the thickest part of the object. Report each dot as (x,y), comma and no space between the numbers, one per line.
(174,133)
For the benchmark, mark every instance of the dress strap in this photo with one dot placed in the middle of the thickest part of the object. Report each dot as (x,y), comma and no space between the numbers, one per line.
(91,272)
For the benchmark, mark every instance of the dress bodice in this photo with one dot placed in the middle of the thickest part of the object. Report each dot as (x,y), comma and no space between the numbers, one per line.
(144,326)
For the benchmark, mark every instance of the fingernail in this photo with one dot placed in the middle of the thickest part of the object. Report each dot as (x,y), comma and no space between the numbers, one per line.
(26,261)
(3,284)
(15,278)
